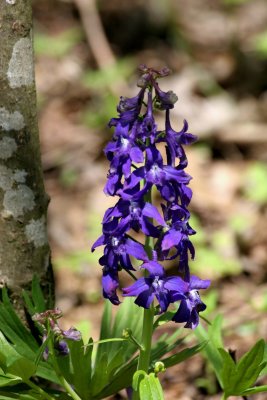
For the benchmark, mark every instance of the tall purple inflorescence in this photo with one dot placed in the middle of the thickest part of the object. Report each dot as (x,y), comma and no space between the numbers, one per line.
(136,166)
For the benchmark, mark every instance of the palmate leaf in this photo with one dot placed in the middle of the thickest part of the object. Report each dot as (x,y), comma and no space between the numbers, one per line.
(13,363)
(238,377)
(21,339)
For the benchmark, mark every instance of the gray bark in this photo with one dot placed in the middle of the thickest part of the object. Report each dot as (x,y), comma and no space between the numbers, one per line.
(24,248)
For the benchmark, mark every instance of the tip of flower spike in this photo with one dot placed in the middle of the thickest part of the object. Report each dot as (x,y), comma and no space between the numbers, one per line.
(151,74)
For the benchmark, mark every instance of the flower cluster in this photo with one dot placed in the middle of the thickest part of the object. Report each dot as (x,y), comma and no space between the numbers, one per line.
(136,166)
(49,325)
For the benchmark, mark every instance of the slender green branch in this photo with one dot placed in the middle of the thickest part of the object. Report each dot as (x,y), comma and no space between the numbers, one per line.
(60,376)
(144,357)
(39,390)
(148,318)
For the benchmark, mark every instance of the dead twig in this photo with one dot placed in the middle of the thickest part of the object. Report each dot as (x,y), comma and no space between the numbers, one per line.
(97,39)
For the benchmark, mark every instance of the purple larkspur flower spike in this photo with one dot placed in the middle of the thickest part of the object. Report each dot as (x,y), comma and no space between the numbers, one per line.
(138,165)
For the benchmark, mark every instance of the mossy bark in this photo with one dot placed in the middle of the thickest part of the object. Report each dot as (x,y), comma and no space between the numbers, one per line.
(24,248)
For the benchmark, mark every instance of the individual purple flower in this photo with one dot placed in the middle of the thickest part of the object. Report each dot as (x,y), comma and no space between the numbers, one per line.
(133,215)
(176,235)
(118,248)
(128,109)
(175,140)
(191,306)
(147,128)
(164,100)
(165,289)
(123,149)
(110,284)
(62,347)
(154,172)
(72,334)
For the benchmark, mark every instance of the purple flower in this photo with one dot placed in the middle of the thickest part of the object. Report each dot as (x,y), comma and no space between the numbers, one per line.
(176,232)
(133,215)
(72,334)
(191,306)
(128,109)
(118,248)
(154,172)
(175,140)
(62,348)
(147,128)
(110,284)
(164,100)
(165,289)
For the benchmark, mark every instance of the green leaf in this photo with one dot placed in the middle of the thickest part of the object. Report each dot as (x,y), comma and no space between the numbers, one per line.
(81,355)
(37,295)
(249,367)
(228,372)
(13,328)
(210,350)
(9,380)
(22,367)
(100,377)
(150,388)
(239,377)
(163,319)
(257,389)
(105,330)
(215,331)
(136,378)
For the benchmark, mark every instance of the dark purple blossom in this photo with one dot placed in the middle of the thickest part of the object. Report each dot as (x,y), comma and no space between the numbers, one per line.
(175,140)
(147,128)
(131,214)
(154,172)
(191,306)
(165,289)
(110,284)
(118,248)
(164,100)
(128,109)
(176,235)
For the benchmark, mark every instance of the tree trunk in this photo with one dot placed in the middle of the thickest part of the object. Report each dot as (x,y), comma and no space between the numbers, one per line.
(24,248)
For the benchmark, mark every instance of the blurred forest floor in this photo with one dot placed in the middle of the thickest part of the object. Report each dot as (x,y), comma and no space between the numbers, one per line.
(217,50)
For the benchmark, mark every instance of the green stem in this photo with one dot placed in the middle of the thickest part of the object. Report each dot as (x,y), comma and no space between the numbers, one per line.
(148,318)
(39,390)
(144,357)
(61,378)
(224,397)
